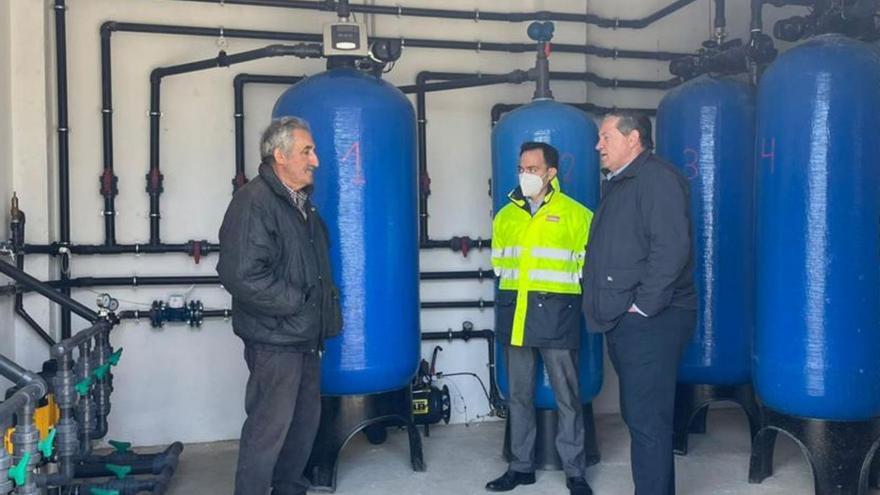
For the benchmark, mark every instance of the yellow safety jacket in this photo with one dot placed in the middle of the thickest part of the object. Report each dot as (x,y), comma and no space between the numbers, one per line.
(538,261)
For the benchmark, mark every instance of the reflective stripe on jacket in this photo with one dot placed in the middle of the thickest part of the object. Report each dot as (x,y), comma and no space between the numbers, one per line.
(538,261)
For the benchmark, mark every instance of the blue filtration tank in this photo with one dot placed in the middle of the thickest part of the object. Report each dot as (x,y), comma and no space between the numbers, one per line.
(818,283)
(706,127)
(574,134)
(365,189)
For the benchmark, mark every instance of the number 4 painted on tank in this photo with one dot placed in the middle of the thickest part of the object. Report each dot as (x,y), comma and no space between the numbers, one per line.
(354,153)
(771,154)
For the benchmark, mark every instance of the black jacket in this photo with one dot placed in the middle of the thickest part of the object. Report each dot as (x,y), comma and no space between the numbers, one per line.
(276,265)
(640,247)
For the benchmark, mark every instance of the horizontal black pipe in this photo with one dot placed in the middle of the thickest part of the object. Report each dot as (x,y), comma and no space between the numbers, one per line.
(88,249)
(463,275)
(603,82)
(408,42)
(30,282)
(80,282)
(459,335)
(456,243)
(500,109)
(136,314)
(476,80)
(471,15)
(457,304)
(95,466)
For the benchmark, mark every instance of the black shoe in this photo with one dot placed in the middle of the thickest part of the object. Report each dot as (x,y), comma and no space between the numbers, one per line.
(510,480)
(578,486)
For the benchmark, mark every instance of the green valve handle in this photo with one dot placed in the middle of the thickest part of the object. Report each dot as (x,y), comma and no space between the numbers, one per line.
(121,447)
(101,491)
(102,371)
(46,445)
(82,388)
(18,474)
(120,471)
(115,357)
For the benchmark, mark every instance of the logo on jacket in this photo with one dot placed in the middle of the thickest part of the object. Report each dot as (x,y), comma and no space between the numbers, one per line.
(553,218)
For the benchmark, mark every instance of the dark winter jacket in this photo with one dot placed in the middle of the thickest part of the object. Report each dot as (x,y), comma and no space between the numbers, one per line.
(276,265)
(640,249)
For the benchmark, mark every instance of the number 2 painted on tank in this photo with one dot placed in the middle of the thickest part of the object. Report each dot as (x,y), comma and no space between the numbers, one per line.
(769,154)
(692,158)
(354,154)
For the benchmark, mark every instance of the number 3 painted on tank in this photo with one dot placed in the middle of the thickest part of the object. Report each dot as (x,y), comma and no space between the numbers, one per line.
(692,158)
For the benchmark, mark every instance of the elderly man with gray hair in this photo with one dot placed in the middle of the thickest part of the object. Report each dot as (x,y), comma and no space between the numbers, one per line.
(275,262)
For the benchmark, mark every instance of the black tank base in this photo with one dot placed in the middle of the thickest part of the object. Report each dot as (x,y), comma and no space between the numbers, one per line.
(546,456)
(342,417)
(839,452)
(692,406)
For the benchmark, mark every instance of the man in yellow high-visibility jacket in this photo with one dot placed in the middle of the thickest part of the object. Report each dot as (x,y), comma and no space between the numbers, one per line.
(538,244)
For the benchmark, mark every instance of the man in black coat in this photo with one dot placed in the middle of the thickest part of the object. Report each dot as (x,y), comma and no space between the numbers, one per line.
(639,289)
(275,261)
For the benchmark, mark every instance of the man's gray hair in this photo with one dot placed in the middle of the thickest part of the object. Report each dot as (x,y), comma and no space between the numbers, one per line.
(279,135)
(632,120)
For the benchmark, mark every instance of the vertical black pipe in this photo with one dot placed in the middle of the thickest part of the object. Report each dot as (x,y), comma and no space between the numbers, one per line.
(108,179)
(720,18)
(238,97)
(424,179)
(154,176)
(63,149)
(238,83)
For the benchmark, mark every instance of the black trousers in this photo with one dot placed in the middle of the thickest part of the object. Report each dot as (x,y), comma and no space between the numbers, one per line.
(645,353)
(283,405)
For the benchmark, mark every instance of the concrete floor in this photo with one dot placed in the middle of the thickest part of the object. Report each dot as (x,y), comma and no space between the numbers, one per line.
(461,459)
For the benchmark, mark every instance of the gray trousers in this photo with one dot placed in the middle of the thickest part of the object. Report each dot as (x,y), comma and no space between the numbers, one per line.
(562,367)
(283,405)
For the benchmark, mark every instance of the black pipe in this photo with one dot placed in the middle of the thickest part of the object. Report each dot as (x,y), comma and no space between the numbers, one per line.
(720,18)
(464,275)
(474,81)
(95,466)
(238,83)
(590,77)
(109,181)
(17,222)
(463,244)
(193,248)
(80,282)
(22,312)
(408,42)
(481,304)
(471,15)
(128,486)
(63,147)
(60,298)
(467,333)
(154,177)
(500,109)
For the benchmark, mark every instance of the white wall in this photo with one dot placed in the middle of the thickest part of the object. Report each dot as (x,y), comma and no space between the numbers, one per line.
(6,337)
(187,384)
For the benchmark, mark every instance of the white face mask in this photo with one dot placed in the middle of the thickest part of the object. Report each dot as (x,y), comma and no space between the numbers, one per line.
(530,184)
